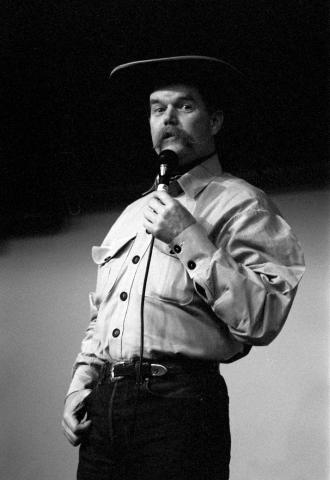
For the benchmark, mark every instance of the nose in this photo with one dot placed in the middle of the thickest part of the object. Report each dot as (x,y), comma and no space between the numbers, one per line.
(170,116)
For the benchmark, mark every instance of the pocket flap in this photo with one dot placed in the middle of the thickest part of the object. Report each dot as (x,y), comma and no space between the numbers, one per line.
(104,253)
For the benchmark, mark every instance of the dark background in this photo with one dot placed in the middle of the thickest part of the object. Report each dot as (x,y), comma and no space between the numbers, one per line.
(65,151)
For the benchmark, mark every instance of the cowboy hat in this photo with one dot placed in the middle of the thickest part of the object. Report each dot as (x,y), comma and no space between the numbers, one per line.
(221,85)
(216,79)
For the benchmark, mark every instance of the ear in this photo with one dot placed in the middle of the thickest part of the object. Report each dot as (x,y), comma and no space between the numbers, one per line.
(216,121)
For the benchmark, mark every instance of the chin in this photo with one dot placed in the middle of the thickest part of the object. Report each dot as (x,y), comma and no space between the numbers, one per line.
(181,150)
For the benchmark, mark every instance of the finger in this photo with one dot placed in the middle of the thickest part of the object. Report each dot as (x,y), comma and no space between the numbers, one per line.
(163,197)
(69,434)
(72,438)
(70,421)
(149,215)
(149,227)
(77,428)
(73,424)
(156,205)
(75,436)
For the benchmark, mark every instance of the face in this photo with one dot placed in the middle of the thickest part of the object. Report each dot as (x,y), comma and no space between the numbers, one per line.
(180,121)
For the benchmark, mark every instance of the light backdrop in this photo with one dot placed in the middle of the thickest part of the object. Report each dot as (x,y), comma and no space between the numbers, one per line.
(279,404)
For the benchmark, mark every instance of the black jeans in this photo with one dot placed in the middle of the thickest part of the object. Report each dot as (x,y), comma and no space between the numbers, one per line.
(168,428)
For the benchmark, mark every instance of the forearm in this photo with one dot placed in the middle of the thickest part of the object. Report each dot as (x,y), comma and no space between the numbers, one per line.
(253,300)
(88,363)
(85,375)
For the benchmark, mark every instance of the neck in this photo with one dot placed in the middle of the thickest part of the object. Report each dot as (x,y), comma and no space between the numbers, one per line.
(181,169)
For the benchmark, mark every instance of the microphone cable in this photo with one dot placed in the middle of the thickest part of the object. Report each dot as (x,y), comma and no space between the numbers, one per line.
(168,160)
(139,372)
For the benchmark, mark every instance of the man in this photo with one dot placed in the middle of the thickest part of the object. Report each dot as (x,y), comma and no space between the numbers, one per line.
(222,276)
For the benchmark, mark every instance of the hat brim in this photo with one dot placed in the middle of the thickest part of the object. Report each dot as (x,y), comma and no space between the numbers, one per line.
(142,77)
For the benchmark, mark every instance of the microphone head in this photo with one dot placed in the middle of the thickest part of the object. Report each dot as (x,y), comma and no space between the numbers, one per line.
(168,158)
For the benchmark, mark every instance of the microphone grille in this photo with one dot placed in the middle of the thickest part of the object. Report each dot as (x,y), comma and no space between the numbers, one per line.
(169,158)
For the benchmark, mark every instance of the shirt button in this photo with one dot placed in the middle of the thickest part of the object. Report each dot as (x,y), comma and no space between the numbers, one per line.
(123,296)
(191,265)
(177,248)
(172,252)
(116,332)
(135,259)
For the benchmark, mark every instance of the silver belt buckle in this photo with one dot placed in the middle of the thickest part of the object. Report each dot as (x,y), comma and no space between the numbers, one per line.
(157,370)
(112,372)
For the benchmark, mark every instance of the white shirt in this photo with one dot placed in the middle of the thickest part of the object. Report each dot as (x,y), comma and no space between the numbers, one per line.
(226,281)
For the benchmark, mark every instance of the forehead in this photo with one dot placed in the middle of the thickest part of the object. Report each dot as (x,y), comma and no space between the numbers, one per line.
(177,90)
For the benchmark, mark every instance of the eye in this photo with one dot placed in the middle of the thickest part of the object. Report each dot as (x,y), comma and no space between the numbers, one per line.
(187,107)
(157,109)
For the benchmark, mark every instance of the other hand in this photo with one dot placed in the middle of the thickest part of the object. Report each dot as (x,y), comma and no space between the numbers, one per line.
(75,423)
(165,217)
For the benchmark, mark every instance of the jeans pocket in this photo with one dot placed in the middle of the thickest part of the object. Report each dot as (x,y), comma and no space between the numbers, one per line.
(180,387)
(87,400)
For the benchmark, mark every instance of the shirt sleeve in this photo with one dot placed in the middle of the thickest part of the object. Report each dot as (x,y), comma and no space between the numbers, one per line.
(87,364)
(248,274)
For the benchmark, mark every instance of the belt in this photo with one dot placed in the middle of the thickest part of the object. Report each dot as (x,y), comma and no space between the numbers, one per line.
(156,368)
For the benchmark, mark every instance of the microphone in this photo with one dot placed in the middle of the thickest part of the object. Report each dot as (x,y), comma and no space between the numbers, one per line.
(168,161)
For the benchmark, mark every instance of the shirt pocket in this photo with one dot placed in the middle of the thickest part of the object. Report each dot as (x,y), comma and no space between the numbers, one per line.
(110,259)
(168,280)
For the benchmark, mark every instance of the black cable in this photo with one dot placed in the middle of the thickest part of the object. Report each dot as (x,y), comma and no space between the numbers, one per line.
(138,379)
(139,371)
(168,160)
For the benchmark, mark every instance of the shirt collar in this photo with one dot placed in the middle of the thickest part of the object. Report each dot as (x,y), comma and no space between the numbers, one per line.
(194,181)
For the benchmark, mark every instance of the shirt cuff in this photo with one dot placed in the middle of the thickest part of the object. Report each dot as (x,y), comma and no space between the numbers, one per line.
(193,248)
(84,377)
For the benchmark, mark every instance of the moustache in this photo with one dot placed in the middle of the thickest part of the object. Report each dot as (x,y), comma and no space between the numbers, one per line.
(175,133)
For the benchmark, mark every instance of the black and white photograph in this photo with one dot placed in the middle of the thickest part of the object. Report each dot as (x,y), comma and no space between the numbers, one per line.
(164,240)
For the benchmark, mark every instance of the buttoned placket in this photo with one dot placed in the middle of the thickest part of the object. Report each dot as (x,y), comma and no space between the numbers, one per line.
(132,263)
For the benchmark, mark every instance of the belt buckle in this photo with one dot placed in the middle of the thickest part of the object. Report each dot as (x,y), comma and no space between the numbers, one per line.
(114,378)
(157,370)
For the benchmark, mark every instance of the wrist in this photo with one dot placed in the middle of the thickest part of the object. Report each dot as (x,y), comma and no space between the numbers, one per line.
(178,232)
(193,248)
(82,394)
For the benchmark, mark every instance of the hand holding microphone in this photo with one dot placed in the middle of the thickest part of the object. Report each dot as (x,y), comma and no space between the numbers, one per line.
(165,217)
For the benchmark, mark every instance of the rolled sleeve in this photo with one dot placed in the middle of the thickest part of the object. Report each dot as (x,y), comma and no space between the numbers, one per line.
(88,362)
(249,276)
